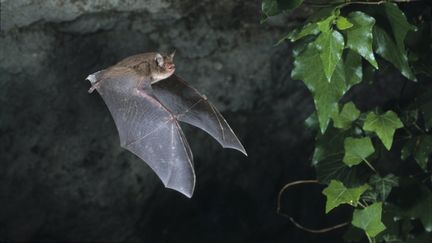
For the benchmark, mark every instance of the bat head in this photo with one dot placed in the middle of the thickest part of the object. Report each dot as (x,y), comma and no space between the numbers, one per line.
(165,66)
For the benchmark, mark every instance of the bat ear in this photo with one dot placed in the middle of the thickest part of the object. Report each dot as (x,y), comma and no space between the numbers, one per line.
(159,60)
(172,54)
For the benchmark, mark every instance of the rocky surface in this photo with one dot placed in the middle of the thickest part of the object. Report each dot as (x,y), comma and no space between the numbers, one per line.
(63,175)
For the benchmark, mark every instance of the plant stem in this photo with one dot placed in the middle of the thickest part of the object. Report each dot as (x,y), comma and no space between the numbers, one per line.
(349,2)
(295,223)
(361,204)
(369,239)
(370,166)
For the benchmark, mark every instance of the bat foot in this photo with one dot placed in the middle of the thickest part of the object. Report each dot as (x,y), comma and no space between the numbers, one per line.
(93,87)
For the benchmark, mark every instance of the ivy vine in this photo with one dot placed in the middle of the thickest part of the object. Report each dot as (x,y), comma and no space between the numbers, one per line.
(377,160)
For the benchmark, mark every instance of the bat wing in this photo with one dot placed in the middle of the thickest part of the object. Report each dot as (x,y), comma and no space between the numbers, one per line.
(193,108)
(146,127)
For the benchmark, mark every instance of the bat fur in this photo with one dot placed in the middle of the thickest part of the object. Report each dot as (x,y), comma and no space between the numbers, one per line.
(147,102)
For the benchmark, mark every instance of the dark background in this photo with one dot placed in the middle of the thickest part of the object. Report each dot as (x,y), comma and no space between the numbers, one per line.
(63,175)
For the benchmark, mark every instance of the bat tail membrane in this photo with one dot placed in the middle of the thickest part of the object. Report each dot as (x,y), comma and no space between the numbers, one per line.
(193,108)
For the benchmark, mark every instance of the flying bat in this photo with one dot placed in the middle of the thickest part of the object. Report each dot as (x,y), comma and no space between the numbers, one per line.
(147,101)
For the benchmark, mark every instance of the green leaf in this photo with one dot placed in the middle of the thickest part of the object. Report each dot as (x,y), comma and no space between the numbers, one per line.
(326,95)
(329,144)
(359,37)
(357,150)
(270,7)
(332,168)
(330,45)
(397,228)
(369,219)
(399,24)
(312,121)
(343,23)
(325,24)
(338,194)
(387,48)
(422,209)
(327,160)
(423,151)
(370,196)
(426,111)
(421,148)
(384,185)
(353,69)
(274,7)
(309,29)
(424,103)
(383,125)
(348,114)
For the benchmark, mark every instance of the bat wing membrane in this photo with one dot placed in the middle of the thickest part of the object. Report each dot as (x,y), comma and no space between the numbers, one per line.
(193,108)
(147,128)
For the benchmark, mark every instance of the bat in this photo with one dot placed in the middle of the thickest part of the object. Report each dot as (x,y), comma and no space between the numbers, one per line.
(147,101)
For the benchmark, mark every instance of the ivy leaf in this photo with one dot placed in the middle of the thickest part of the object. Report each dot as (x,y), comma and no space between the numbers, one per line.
(330,44)
(426,111)
(370,196)
(357,150)
(343,23)
(353,69)
(329,144)
(384,185)
(274,7)
(332,168)
(423,150)
(387,48)
(309,29)
(325,24)
(338,194)
(369,219)
(399,24)
(422,209)
(327,160)
(326,95)
(348,114)
(359,37)
(270,7)
(420,147)
(425,104)
(383,125)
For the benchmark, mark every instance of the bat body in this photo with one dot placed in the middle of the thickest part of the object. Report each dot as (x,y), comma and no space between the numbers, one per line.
(147,102)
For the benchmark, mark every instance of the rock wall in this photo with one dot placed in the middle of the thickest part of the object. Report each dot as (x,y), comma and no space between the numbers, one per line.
(63,175)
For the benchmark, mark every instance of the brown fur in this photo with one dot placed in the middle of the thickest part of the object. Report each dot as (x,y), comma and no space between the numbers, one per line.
(146,65)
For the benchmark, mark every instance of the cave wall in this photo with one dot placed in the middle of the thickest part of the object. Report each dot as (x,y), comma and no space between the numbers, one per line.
(63,175)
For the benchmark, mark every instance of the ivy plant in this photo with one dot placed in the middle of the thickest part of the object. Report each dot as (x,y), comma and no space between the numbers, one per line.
(373,156)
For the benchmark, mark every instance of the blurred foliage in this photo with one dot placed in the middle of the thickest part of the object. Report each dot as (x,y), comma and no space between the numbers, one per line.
(348,43)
